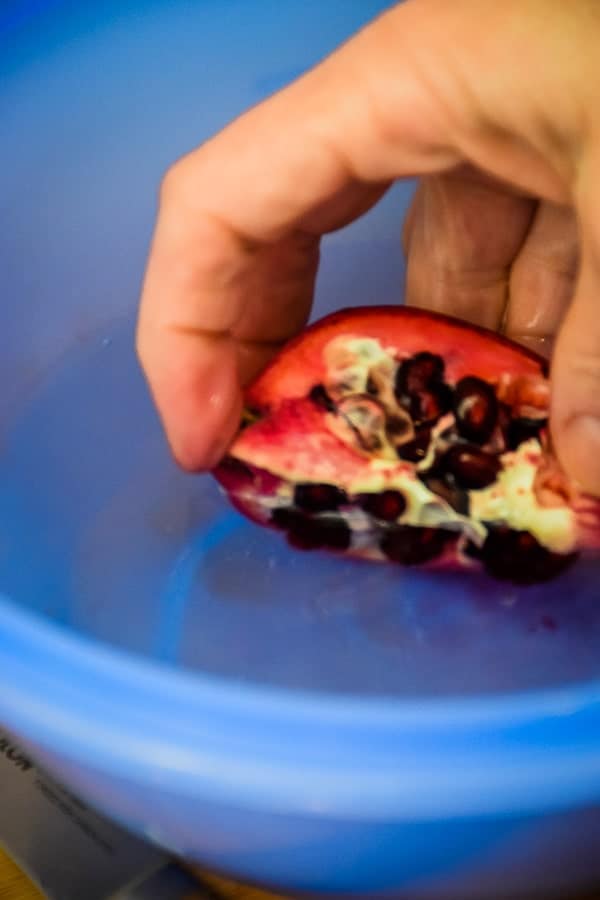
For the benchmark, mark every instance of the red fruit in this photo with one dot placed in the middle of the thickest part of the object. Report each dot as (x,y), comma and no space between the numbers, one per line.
(395,434)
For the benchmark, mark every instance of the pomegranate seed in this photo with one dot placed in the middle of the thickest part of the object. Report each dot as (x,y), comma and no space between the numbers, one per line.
(475,409)
(418,373)
(516,556)
(419,387)
(313,532)
(318,497)
(454,496)
(236,467)
(387,506)
(521,430)
(320,397)
(415,450)
(471,467)
(366,419)
(372,388)
(412,546)
(398,426)
(429,405)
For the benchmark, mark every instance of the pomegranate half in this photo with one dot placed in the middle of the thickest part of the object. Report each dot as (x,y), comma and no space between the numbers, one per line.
(394,434)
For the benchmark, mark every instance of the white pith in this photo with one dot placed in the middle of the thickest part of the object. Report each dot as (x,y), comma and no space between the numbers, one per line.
(511,500)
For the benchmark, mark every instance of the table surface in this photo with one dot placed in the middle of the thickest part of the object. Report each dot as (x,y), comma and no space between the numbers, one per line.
(14,885)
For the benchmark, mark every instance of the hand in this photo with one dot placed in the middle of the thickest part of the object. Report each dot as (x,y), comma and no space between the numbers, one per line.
(481,251)
(444,90)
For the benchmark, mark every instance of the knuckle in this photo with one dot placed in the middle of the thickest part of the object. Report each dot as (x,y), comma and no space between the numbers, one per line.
(170,183)
(585,366)
(175,181)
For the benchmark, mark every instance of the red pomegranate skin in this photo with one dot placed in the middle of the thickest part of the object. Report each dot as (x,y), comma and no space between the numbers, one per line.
(409,437)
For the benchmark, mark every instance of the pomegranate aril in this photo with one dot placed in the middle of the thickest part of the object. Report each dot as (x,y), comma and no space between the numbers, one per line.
(313,532)
(399,429)
(398,426)
(282,516)
(411,545)
(321,398)
(516,556)
(430,404)
(414,451)
(387,506)
(318,497)
(471,467)
(372,388)
(418,373)
(454,496)
(420,389)
(475,409)
(520,430)
(235,467)
(366,418)
(316,534)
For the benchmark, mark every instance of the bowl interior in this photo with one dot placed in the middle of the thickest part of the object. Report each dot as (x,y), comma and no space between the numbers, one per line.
(98,530)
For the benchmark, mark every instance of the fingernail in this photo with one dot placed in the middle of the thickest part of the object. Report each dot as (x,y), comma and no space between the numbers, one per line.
(580,452)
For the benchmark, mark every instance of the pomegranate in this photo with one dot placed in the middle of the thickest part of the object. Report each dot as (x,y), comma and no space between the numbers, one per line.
(395,434)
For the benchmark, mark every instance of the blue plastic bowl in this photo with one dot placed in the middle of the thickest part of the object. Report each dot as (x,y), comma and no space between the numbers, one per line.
(296,720)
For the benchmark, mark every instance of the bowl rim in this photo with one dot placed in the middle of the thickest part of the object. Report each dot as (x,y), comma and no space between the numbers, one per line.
(275,748)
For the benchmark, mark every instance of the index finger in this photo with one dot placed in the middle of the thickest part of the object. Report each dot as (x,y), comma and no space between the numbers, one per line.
(234,255)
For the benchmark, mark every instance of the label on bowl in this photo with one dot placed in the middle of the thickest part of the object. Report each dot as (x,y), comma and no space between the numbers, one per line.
(70,850)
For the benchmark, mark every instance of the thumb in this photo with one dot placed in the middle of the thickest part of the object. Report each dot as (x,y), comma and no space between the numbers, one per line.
(576,372)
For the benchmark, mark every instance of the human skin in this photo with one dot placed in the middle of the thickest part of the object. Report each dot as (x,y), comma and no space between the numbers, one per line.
(496,106)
